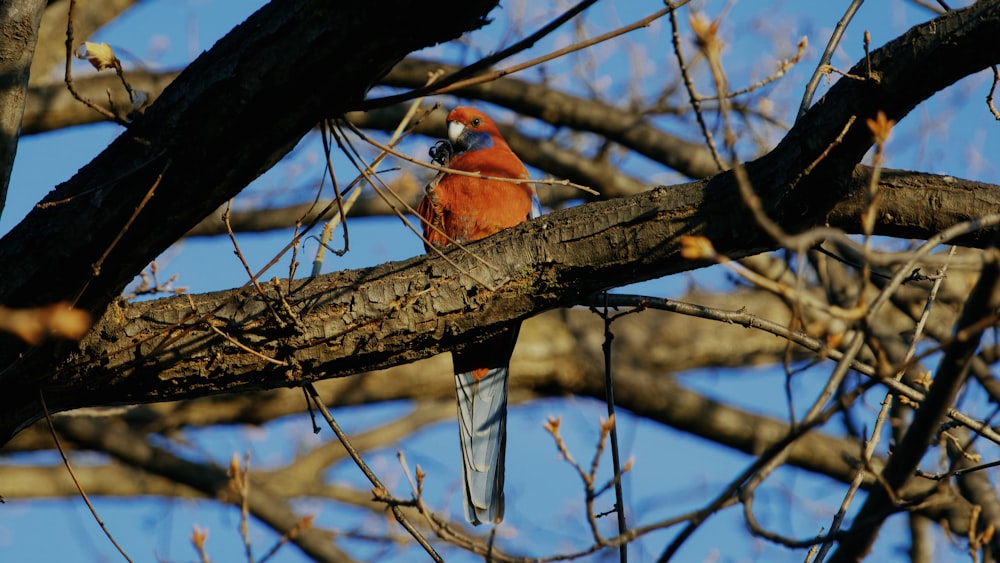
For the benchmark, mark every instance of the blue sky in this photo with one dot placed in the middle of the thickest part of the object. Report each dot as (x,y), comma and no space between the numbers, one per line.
(168,33)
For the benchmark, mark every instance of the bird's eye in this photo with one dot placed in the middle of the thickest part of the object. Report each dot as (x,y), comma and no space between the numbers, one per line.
(476,121)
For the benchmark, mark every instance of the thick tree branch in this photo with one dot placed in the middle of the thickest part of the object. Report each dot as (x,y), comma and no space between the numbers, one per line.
(19,23)
(555,358)
(307,330)
(904,209)
(368,319)
(250,98)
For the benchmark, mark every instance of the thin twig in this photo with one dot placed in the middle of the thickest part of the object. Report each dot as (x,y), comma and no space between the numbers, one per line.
(72,475)
(479,175)
(360,462)
(993,89)
(254,279)
(304,524)
(749,320)
(246,348)
(241,477)
(609,395)
(873,440)
(824,61)
(481,64)
(343,206)
(644,22)
(783,67)
(327,233)
(374,180)
(777,450)
(693,96)
(68,75)
(96,266)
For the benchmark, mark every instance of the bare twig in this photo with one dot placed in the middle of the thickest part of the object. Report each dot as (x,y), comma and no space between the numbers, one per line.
(693,95)
(644,22)
(873,440)
(381,189)
(72,475)
(484,63)
(609,390)
(304,524)
(948,379)
(993,89)
(344,206)
(375,481)
(68,78)
(824,60)
(96,266)
(432,166)
(246,348)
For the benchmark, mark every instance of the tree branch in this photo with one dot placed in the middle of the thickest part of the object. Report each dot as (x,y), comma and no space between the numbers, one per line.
(250,98)
(167,350)
(19,23)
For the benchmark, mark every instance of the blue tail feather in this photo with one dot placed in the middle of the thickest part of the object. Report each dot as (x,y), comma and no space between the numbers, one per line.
(482,423)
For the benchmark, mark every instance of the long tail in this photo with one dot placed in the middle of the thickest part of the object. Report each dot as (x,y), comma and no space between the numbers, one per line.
(482,427)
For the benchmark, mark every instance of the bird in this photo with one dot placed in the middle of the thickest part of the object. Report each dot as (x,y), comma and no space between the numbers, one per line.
(461,209)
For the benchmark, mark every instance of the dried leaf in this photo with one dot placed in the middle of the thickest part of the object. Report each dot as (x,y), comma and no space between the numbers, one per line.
(98,54)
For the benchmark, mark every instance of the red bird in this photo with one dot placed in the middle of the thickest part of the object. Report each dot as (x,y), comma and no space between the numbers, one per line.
(465,209)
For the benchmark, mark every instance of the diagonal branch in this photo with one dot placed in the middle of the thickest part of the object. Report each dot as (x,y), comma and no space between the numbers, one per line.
(395,313)
(249,100)
(948,380)
(19,23)
(362,320)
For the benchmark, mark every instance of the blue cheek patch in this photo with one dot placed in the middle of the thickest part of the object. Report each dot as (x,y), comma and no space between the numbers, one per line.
(473,141)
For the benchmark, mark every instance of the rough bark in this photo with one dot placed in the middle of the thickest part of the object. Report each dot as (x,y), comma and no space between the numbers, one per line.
(18,33)
(544,264)
(361,320)
(293,331)
(559,352)
(231,115)
(250,98)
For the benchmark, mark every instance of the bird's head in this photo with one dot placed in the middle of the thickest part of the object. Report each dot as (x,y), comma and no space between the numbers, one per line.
(469,129)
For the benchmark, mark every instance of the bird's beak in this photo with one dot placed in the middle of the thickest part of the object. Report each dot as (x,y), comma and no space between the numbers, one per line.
(455,130)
